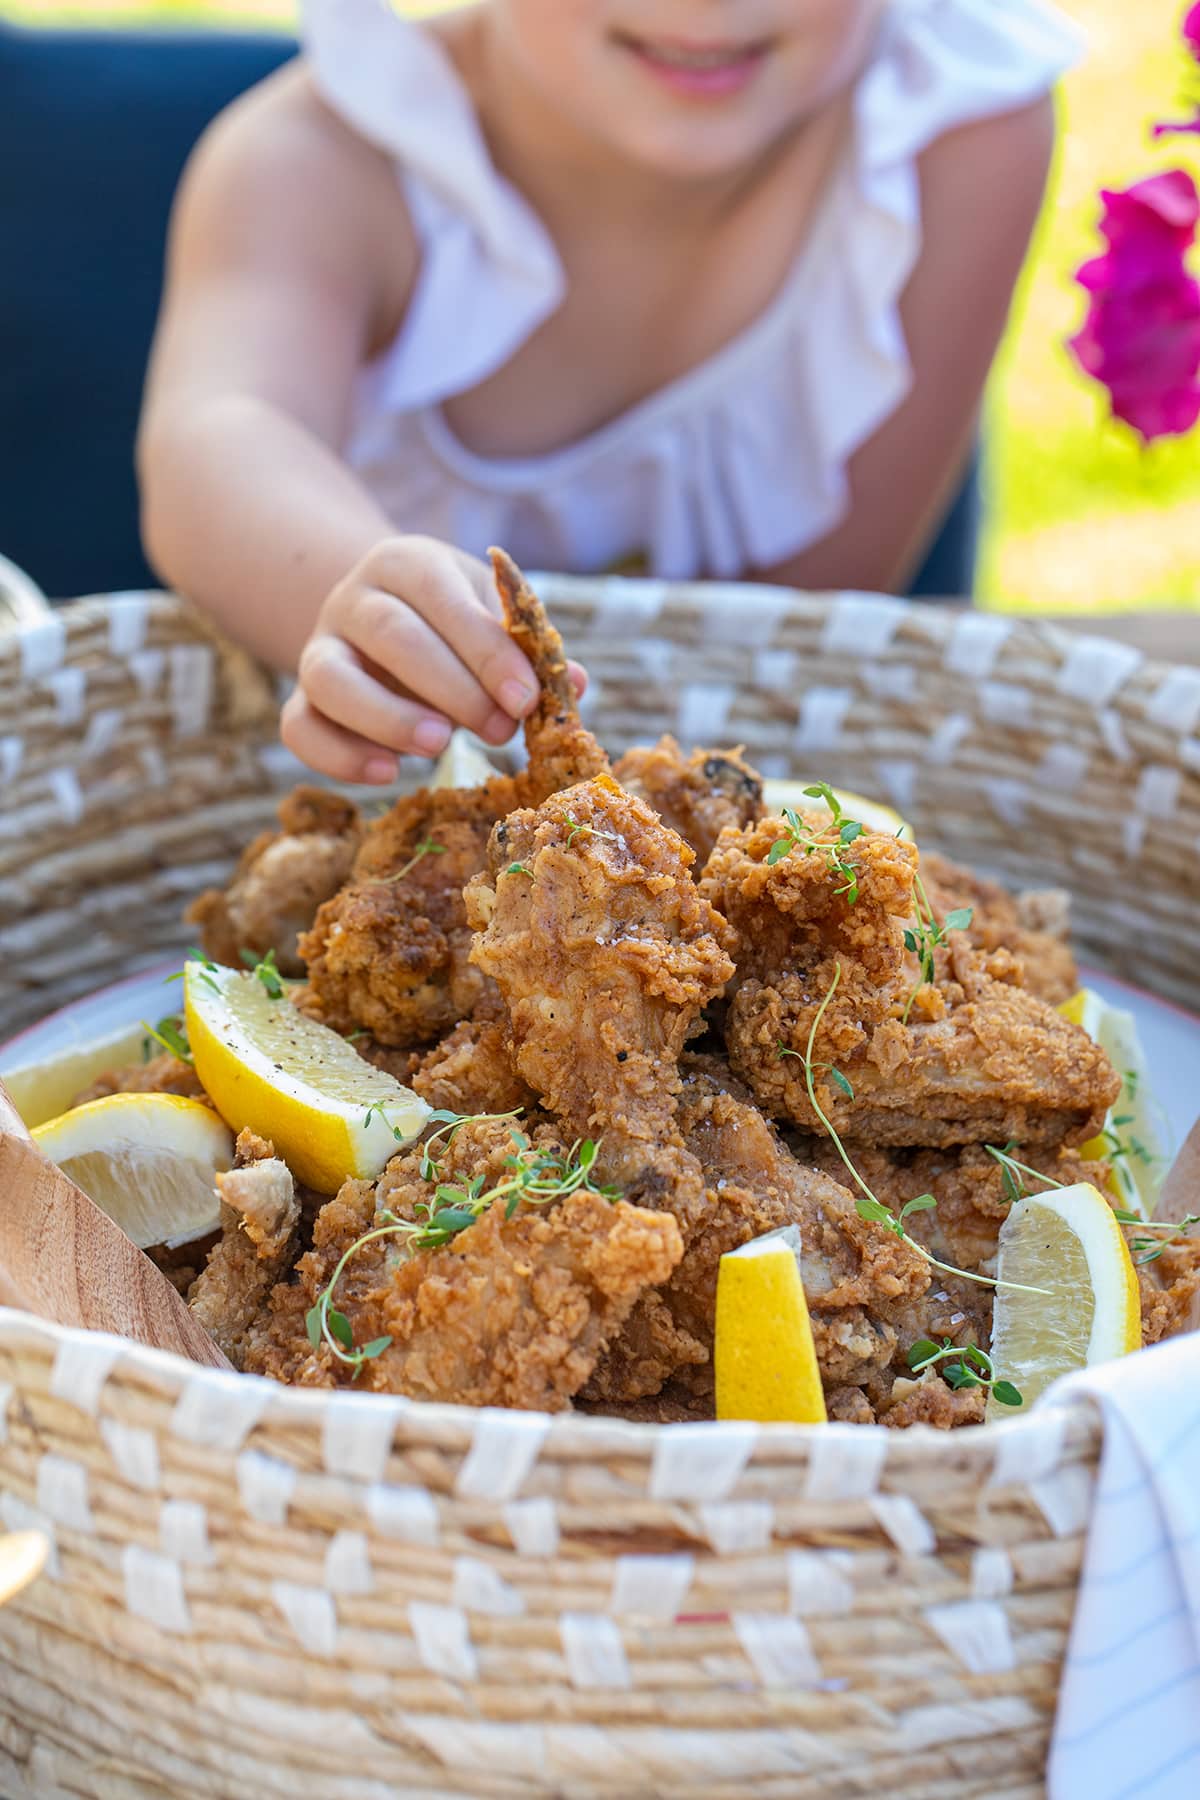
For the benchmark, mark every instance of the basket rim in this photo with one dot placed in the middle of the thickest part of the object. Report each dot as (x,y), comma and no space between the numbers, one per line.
(1033,1440)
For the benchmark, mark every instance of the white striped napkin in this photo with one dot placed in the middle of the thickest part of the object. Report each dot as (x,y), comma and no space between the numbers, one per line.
(1129,1708)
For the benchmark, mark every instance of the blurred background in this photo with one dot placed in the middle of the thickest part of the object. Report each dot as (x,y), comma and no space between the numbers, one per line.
(1079,516)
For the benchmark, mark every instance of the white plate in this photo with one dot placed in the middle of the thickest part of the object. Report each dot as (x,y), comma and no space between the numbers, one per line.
(1170,1036)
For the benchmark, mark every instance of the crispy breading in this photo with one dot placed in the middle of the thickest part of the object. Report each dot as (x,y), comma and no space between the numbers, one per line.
(604,954)
(968,1057)
(931,1401)
(1033,926)
(696,795)
(390,953)
(280,881)
(161,1075)
(471,1070)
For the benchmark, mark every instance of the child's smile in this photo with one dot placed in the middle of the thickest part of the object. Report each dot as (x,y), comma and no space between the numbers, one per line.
(698,68)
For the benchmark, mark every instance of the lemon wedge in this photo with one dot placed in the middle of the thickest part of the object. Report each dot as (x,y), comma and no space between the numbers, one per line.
(463,763)
(766,1363)
(264,1065)
(23,1556)
(1134,1138)
(149,1161)
(871,813)
(1069,1243)
(41,1090)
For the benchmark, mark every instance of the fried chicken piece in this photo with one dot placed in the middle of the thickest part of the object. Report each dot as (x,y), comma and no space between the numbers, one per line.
(822,956)
(698,795)
(280,881)
(604,954)
(1170,1289)
(161,1075)
(1034,926)
(260,1214)
(511,1312)
(390,953)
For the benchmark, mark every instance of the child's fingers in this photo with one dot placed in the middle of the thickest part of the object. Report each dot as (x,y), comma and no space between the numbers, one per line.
(579,678)
(395,638)
(342,692)
(436,586)
(340,689)
(334,751)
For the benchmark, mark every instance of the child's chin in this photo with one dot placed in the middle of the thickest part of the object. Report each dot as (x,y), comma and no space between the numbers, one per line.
(705,148)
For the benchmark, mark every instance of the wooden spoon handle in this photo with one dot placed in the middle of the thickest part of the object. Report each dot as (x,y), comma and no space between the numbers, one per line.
(11,1122)
(63,1259)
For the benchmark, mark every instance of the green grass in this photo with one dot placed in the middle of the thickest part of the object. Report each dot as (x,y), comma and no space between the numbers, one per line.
(1079,516)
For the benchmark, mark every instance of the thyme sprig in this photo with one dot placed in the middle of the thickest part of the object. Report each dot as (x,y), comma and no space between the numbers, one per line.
(1012,1173)
(926,936)
(1154,1247)
(171,1033)
(797,836)
(580,830)
(963,1366)
(869,1205)
(535,1177)
(426,847)
(263,969)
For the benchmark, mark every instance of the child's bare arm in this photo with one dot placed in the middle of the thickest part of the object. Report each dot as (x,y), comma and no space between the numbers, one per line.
(290,263)
(981,189)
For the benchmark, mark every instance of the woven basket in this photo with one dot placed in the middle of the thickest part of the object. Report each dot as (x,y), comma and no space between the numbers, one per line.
(261,1590)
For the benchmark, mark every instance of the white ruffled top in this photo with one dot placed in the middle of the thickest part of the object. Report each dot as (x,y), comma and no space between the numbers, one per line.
(739,463)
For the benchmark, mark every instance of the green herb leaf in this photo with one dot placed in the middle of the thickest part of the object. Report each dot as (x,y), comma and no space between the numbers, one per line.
(839,1080)
(960,919)
(375,1348)
(921,1353)
(873,1209)
(312,1324)
(922,1203)
(1007,1394)
(778,851)
(340,1327)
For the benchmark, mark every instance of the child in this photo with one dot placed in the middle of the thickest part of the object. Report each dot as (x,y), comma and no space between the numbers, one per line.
(713,284)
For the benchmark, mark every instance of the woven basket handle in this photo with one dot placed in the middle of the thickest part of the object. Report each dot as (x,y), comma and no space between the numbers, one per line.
(63,1259)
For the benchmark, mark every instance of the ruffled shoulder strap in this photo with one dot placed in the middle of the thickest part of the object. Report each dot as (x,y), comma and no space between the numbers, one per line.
(941,63)
(490,272)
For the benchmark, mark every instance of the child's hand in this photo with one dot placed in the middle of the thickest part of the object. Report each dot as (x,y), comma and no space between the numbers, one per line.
(406,646)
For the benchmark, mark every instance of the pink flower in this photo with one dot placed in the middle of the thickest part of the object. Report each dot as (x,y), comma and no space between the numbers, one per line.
(1191,31)
(1141,336)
